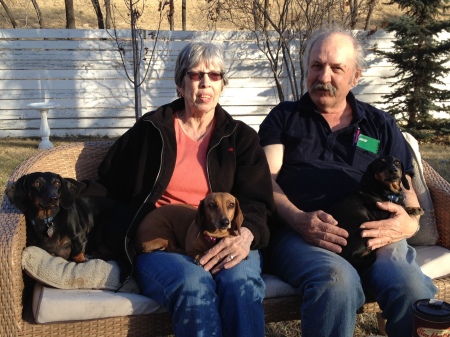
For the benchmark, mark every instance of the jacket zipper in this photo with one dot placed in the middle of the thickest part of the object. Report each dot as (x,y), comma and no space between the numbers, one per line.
(207,156)
(130,260)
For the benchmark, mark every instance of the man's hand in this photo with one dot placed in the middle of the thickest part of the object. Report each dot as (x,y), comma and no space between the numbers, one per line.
(320,229)
(382,232)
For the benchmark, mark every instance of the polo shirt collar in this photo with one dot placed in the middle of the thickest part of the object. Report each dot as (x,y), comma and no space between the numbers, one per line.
(359,115)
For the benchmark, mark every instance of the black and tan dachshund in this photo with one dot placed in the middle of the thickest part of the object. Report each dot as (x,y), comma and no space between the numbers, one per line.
(382,181)
(58,220)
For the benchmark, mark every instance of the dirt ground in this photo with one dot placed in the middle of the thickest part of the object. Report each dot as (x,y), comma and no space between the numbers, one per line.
(54,15)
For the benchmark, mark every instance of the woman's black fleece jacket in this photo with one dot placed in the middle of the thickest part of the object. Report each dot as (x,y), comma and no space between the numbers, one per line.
(138,167)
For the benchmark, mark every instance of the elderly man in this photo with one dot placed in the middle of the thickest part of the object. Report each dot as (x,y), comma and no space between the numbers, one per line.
(315,158)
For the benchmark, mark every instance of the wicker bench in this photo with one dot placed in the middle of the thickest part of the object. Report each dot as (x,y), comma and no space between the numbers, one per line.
(80,160)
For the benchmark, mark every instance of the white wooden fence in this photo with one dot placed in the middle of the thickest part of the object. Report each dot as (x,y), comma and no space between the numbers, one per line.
(82,71)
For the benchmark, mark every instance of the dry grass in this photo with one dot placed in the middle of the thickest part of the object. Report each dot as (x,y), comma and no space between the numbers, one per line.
(438,156)
(54,15)
(13,151)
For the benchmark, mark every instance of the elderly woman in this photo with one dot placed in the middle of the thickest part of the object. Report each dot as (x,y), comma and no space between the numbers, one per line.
(178,154)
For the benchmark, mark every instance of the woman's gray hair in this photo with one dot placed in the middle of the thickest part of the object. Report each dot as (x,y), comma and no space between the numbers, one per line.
(323,33)
(195,53)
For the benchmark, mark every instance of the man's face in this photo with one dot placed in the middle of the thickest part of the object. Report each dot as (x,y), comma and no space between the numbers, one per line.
(332,72)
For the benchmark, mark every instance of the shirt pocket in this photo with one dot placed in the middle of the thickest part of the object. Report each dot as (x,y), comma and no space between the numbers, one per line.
(362,158)
(298,147)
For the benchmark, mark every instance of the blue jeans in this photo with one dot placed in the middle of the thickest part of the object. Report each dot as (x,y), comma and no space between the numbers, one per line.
(226,304)
(332,290)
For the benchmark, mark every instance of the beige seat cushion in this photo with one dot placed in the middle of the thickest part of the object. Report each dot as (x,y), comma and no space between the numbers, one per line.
(433,260)
(70,304)
(60,305)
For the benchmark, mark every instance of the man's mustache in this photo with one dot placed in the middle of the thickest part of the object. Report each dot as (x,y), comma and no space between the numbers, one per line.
(325,87)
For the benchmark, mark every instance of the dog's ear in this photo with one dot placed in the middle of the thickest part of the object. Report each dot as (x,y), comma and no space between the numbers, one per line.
(405,182)
(238,218)
(17,193)
(200,215)
(68,193)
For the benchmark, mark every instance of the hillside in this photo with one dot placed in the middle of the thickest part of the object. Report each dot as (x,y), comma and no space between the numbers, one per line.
(54,15)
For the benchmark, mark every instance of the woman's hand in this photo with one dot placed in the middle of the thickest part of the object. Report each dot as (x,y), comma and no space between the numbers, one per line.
(320,229)
(228,252)
(399,226)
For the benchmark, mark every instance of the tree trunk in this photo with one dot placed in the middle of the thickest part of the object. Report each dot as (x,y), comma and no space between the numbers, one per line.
(38,13)
(371,7)
(98,13)
(108,14)
(170,15)
(183,14)
(354,9)
(9,14)
(70,14)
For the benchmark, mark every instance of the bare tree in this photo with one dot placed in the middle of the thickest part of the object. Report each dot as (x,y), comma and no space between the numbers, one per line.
(356,11)
(183,14)
(98,14)
(70,14)
(171,15)
(269,26)
(370,8)
(108,14)
(281,28)
(9,14)
(141,56)
(38,13)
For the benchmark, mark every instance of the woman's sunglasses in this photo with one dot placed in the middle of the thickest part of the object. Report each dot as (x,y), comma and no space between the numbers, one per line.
(197,76)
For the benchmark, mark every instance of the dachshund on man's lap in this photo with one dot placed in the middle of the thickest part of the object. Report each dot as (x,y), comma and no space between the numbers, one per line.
(382,181)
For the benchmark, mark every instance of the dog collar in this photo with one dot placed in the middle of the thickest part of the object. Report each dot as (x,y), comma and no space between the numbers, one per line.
(50,226)
(46,221)
(210,239)
(396,199)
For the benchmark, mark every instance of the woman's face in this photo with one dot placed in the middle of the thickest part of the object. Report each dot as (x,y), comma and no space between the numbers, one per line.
(200,92)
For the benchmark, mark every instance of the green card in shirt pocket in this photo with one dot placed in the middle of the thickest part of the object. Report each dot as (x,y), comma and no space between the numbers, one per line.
(367,143)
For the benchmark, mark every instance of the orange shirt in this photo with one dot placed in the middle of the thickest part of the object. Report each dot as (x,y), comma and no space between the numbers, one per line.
(189,182)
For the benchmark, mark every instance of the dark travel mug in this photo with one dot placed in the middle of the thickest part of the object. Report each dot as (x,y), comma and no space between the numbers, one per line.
(431,318)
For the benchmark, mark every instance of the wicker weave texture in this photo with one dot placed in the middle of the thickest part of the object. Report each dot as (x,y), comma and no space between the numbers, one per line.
(440,194)
(80,161)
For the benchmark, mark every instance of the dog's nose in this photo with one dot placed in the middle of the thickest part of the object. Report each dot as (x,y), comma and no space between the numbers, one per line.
(393,169)
(53,199)
(225,223)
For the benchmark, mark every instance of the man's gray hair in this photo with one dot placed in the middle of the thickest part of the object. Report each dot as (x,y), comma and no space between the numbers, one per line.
(196,53)
(323,33)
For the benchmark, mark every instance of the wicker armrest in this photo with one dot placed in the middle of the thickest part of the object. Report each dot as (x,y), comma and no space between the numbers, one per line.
(12,242)
(76,160)
(440,194)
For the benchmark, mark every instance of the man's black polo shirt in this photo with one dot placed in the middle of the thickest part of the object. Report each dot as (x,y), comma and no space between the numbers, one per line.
(321,166)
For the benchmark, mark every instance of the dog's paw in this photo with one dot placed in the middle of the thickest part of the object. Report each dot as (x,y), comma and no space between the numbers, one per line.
(414,210)
(79,258)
